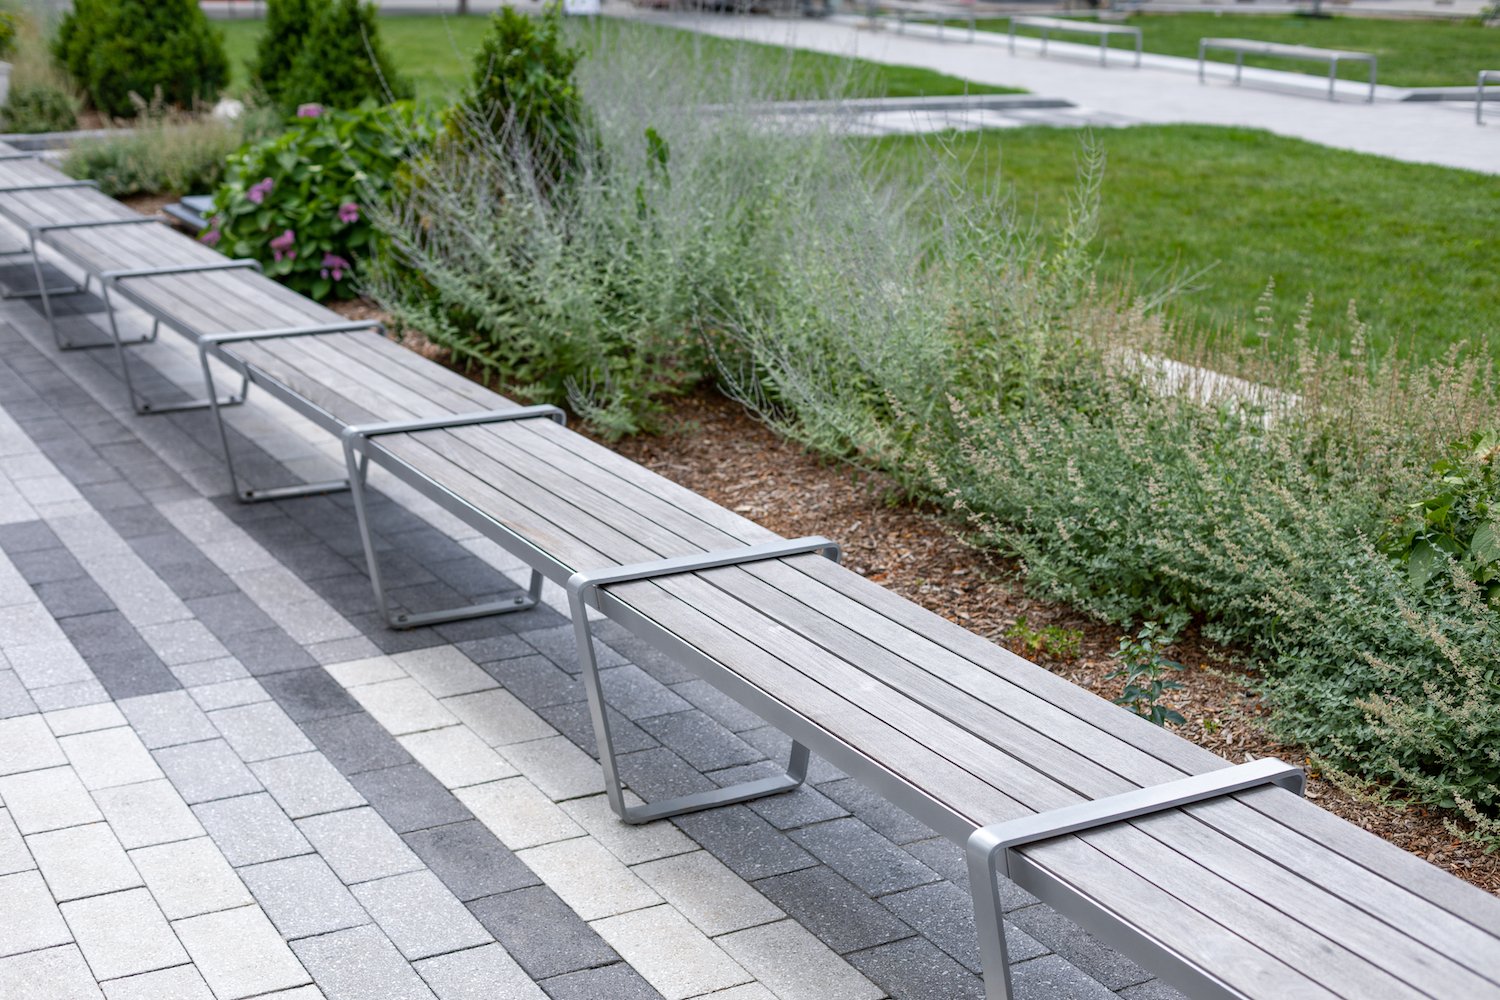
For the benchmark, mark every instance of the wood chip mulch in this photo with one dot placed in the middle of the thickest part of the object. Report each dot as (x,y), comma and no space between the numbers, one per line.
(712,446)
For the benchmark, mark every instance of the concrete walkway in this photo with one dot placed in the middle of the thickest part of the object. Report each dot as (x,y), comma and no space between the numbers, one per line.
(1164,91)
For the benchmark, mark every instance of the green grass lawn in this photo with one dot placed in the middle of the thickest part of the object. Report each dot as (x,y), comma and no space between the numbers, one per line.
(437,54)
(1414,245)
(1411,53)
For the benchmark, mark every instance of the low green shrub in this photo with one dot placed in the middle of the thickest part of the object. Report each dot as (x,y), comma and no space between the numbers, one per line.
(114,49)
(342,63)
(288,23)
(38,107)
(8,31)
(300,202)
(163,154)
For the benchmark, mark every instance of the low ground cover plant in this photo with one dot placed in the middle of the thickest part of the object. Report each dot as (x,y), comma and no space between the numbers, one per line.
(41,97)
(162,152)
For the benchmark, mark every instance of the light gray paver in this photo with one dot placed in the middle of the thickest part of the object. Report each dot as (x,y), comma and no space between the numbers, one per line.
(445,671)
(306,784)
(707,893)
(180,983)
(62,969)
(52,699)
(456,757)
(498,717)
(48,664)
(109,757)
(82,861)
(29,918)
(517,813)
(403,706)
(358,845)
(84,719)
(360,964)
(228,694)
(368,670)
(151,812)
(122,934)
(26,744)
(182,642)
(786,958)
(14,857)
(207,771)
(487,973)
(557,767)
(166,719)
(421,917)
(670,953)
(190,877)
(47,800)
(218,671)
(260,731)
(588,878)
(251,829)
(239,953)
(303,896)
(631,844)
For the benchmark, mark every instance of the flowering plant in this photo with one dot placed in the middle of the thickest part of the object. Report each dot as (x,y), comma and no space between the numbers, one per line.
(296,202)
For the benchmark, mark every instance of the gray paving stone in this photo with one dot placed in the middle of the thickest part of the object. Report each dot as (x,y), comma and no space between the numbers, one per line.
(189,877)
(470,860)
(309,694)
(65,696)
(574,722)
(26,744)
(637,694)
(131,673)
(1153,990)
(228,694)
(181,983)
(493,648)
(536,680)
(541,933)
(484,973)
(193,675)
(239,953)
(864,857)
(700,741)
(71,598)
(62,969)
(408,798)
(618,982)
(445,671)
(82,861)
(14,857)
(183,642)
(557,644)
(109,757)
(354,743)
(303,896)
(719,706)
(777,745)
(1052,978)
(358,845)
(251,829)
(260,731)
(804,806)
(419,915)
(167,719)
(918,969)
(751,847)
(306,784)
(122,934)
(1078,947)
(267,651)
(229,614)
(14,699)
(206,771)
(660,774)
(826,903)
(49,799)
(891,822)
(29,918)
(360,964)
(944,914)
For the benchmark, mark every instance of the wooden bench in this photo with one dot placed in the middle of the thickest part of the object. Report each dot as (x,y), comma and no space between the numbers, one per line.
(1242,47)
(907,9)
(1067,24)
(1220,878)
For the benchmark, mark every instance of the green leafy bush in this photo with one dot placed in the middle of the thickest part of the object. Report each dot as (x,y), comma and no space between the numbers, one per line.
(300,202)
(1145,669)
(117,48)
(8,31)
(163,154)
(38,107)
(342,63)
(1458,522)
(288,23)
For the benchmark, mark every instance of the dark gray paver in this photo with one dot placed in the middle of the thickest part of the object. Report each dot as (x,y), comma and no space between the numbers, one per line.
(409,798)
(1080,948)
(918,969)
(863,856)
(826,903)
(747,844)
(470,860)
(309,694)
(541,932)
(617,982)
(944,914)
(355,743)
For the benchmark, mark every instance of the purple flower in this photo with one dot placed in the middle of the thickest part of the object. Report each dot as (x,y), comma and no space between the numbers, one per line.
(281,246)
(334,266)
(259,190)
(309,110)
(348,212)
(210,237)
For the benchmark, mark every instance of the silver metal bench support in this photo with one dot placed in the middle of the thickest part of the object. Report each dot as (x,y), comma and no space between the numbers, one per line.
(583,593)
(212,343)
(1485,76)
(30,247)
(1205,44)
(357,459)
(33,235)
(1047,29)
(110,280)
(990,847)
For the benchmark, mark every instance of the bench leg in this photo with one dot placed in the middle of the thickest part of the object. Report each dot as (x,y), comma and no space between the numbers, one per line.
(142,405)
(796,771)
(988,916)
(358,469)
(45,294)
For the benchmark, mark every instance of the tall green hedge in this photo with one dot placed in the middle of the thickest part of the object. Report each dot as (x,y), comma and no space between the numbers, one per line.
(116,48)
(342,62)
(288,23)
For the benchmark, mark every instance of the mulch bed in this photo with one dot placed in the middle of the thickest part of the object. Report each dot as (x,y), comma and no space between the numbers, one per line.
(712,446)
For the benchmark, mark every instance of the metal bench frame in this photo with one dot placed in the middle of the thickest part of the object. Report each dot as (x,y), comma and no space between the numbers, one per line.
(1485,76)
(359,449)
(1104,31)
(36,234)
(29,248)
(904,10)
(1283,50)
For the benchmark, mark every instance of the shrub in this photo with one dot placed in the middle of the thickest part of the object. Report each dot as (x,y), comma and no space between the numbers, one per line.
(41,107)
(116,48)
(300,202)
(8,28)
(162,154)
(288,23)
(342,63)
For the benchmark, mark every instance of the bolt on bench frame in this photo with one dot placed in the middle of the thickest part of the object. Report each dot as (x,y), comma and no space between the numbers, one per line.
(357,454)
(584,589)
